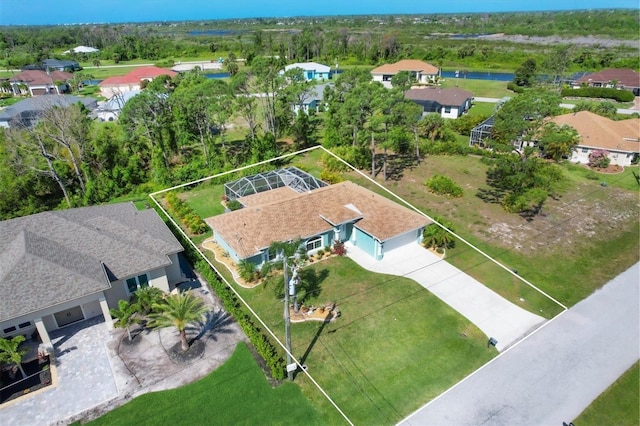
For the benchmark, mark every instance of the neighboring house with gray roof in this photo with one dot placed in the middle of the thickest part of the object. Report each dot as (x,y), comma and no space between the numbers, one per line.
(60,267)
(311,99)
(449,103)
(27,112)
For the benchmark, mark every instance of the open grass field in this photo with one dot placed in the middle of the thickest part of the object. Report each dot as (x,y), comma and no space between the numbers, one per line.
(480,88)
(618,405)
(235,393)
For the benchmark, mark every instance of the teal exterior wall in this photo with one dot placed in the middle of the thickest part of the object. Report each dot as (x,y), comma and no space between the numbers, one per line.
(223,244)
(365,242)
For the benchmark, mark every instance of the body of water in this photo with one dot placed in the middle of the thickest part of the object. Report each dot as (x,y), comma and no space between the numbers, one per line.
(218,75)
(473,75)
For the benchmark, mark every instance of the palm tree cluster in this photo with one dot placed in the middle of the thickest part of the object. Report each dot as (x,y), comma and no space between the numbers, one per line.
(157,310)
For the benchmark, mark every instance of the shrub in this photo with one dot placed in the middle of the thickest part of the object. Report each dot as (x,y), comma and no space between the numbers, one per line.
(247,270)
(514,87)
(599,159)
(599,92)
(443,185)
(339,249)
(330,177)
(234,205)
(189,218)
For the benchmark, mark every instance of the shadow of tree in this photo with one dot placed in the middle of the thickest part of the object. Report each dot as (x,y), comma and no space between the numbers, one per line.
(213,322)
(310,281)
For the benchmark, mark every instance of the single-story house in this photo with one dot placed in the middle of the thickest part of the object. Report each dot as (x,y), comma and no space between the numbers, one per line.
(312,98)
(620,138)
(620,78)
(111,109)
(340,212)
(449,103)
(54,64)
(131,81)
(422,72)
(81,49)
(311,70)
(60,267)
(27,112)
(38,82)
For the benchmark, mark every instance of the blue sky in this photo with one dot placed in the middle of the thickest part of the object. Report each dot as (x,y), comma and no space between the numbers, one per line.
(41,12)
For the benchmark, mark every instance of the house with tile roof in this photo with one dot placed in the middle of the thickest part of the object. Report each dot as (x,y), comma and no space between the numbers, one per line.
(38,82)
(343,212)
(620,138)
(61,267)
(619,78)
(131,81)
(311,71)
(421,71)
(111,109)
(449,103)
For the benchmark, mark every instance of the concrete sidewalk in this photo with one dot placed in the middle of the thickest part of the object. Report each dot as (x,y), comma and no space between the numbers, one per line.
(553,375)
(491,313)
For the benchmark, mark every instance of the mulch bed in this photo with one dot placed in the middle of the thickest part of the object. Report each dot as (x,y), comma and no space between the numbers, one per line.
(13,388)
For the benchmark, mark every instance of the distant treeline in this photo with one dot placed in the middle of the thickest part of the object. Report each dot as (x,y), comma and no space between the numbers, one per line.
(344,40)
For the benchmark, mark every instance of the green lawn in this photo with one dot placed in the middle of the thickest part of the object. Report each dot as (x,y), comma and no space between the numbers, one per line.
(236,393)
(480,88)
(618,405)
(394,347)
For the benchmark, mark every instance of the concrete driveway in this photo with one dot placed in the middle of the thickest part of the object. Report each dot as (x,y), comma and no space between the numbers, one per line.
(491,313)
(553,375)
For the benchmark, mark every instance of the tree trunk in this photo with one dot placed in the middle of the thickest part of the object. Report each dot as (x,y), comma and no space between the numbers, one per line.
(24,375)
(183,340)
(129,333)
(52,172)
(373,156)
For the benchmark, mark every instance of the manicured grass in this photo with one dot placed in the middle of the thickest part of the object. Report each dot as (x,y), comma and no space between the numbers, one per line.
(480,88)
(394,347)
(624,180)
(618,405)
(482,108)
(235,393)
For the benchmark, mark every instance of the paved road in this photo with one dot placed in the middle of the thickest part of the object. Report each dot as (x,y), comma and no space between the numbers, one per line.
(555,373)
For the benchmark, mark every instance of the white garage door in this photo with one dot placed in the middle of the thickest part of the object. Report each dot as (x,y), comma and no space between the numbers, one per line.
(400,241)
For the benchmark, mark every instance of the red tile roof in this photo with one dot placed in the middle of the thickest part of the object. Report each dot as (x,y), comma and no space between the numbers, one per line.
(39,78)
(625,77)
(137,75)
(406,65)
(600,132)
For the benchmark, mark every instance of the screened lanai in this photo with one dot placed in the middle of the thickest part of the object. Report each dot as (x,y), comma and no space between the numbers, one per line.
(481,133)
(292,177)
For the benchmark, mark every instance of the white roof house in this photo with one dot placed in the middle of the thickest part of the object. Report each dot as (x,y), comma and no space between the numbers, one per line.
(82,49)
(311,70)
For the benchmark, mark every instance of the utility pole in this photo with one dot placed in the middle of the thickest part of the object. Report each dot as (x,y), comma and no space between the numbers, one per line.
(287,321)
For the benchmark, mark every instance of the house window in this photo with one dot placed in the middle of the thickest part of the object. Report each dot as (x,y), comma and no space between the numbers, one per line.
(9,330)
(134,283)
(25,324)
(447,110)
(585,150)
(314,244)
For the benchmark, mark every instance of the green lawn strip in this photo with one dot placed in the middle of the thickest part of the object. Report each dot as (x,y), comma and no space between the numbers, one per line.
(618,405)
(205,199)
(480,88)
(394,347)
(481,108)
(236,393)
(624,180)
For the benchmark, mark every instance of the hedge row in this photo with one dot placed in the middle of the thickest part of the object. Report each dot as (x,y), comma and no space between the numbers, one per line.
(186,214)
(599,92)
(232,306)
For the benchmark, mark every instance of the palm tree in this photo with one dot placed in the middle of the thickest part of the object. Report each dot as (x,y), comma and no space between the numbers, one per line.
(10,353)
(436,236)
(146,298)
(178,310)
(125,315)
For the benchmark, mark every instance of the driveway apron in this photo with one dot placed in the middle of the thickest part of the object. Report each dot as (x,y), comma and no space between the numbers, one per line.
(491,313)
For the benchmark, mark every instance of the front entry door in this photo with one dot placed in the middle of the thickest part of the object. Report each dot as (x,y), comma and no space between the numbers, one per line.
(69,316)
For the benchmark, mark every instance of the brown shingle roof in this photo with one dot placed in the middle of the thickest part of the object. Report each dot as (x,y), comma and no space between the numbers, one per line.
(625,77)
(600,132)
(447,97)
(254,228)
(38,77)
(406,65)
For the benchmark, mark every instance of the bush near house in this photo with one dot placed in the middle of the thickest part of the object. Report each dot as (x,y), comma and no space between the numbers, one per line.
(599,92)
(599,159)
(443,185)
(186,214)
